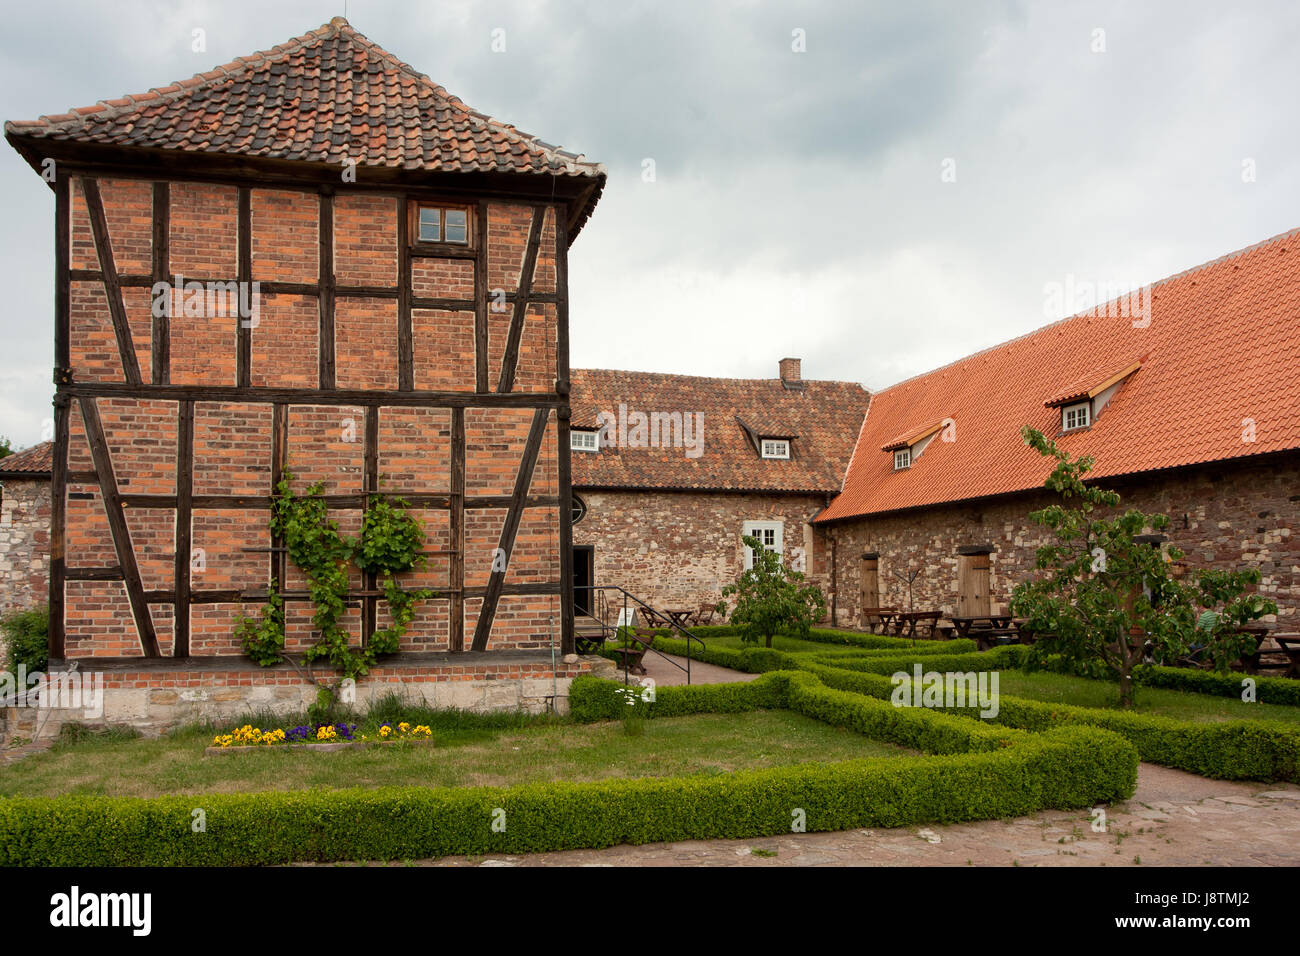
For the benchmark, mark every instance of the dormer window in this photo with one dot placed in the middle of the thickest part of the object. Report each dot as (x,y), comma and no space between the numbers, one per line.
(1076,416)
(776,448)
(583,439)
(902,459)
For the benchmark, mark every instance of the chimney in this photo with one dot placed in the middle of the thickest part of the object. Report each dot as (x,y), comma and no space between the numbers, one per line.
(790,373)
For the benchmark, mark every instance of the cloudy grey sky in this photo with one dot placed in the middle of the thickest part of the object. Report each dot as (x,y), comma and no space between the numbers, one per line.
(799,204)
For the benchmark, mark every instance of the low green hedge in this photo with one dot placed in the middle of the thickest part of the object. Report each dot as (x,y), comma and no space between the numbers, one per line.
(1227,750)
(988,772)
(1268,690)
(1231,750)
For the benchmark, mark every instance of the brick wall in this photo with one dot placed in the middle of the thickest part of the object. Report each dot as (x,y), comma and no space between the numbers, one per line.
(232,441)
(1227,516)
(682,548)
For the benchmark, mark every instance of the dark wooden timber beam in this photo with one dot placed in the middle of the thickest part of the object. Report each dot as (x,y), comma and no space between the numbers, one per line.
(506,544)
(117,526)
(58,524)
(314,396)
(481,293)
(62,375)
(184,525)
(326,292)
(562,388)
(243,329)
(112,288)
(279,456)
(93,574)
(369,483)
(161,364)
(405,344)
(456,531)
(510,361)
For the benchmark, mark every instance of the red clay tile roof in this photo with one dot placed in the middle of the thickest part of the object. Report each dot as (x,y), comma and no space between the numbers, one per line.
(1222,366)
(911,436)
(36,462)
(1089,385)
(328,96)
(824,417)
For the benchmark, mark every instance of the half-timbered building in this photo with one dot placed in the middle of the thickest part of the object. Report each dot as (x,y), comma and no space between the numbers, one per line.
(313,258)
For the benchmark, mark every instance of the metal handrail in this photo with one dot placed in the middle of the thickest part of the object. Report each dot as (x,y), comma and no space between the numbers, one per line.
(603,608)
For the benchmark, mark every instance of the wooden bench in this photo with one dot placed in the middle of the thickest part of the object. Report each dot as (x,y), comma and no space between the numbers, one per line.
(639,641)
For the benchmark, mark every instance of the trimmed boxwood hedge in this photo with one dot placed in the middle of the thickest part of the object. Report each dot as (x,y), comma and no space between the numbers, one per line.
(1268,690)
(987,772)
(1225,750)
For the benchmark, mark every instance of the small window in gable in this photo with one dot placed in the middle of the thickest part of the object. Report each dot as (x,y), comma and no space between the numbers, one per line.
(444,224)
(902,459)
(776,448)
(1076,416)
(584,440)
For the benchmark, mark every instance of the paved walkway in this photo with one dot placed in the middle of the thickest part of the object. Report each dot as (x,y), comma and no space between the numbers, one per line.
(666,675)
(1174,819)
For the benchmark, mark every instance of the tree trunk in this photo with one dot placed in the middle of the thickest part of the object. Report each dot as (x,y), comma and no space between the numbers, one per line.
(769,640)
(1126,687)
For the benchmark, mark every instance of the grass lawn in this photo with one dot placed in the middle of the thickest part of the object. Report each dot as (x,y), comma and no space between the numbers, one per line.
(1083,692)
(791,645)
(460,756)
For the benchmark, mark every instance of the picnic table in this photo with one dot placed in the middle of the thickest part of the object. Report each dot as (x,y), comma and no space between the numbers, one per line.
(681,616)
(885,615)
(1290,644)
(654,618)
(965,622)
(910,619)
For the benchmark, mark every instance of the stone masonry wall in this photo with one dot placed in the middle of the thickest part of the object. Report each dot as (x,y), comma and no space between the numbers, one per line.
(1229,516)
(679,549)
(24,543)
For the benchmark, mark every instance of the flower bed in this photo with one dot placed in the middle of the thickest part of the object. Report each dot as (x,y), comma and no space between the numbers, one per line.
(323,737)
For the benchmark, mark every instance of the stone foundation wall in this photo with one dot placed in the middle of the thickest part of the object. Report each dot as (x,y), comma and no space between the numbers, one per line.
(680,549)
(154,700)
(1227,516)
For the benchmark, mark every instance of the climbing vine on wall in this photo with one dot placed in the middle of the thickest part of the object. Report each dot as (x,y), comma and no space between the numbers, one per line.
(389,544)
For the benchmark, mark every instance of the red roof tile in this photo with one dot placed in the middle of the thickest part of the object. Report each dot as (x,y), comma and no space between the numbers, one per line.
(37,461)
(329,96)
(1221,367)
(1089,385)
(820,418)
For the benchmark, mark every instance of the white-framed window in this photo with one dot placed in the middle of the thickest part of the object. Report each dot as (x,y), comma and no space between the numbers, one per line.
(776,448)
(770,535)
(584,440)
(902,459)
(1076,416)
(448,224)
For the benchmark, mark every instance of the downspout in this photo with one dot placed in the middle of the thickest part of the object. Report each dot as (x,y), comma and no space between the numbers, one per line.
(834,572)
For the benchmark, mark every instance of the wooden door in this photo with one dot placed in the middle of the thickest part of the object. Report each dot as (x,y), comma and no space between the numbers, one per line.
(973,585)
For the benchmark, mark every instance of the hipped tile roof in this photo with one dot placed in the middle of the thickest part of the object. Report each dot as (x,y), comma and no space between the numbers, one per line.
(1220,381)
(329,96)
(37,461)
(824,416)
